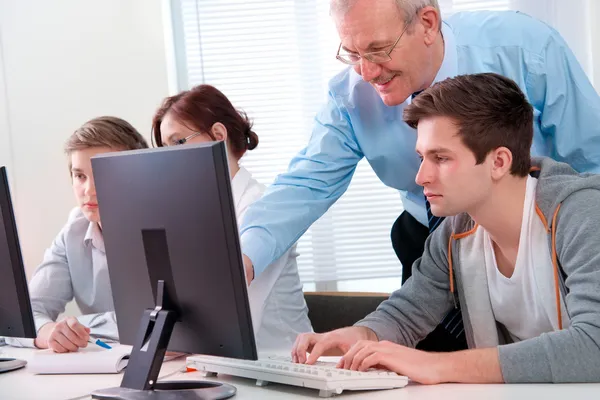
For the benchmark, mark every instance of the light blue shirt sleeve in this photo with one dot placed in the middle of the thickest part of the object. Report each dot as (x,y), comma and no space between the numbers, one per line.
(566,126)
(569,105)
(317,176)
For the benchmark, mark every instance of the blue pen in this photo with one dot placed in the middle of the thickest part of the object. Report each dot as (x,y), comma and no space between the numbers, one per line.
(99,343)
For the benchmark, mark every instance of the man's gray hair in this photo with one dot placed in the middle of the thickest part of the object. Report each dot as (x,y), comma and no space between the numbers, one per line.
(408,7)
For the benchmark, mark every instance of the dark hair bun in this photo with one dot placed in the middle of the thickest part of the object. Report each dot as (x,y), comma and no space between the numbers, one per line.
(252,140)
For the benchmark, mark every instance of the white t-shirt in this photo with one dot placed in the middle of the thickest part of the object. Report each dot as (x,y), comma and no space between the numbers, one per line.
(516,301)
(279,312)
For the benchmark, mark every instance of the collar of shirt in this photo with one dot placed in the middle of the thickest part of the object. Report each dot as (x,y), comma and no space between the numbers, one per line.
(93,235)
(239,183)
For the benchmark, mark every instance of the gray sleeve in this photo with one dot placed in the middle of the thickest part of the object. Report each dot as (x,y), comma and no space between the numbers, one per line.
(50,288)
(20,342)
(102,325)
(421,303)
(573,354)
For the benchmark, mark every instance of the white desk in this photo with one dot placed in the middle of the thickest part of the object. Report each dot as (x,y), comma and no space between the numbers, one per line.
(23,385)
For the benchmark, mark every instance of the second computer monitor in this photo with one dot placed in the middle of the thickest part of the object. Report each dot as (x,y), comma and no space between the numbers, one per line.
(168,214)
(16,317)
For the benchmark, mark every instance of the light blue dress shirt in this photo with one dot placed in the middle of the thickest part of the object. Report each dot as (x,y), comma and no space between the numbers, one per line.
(355,123)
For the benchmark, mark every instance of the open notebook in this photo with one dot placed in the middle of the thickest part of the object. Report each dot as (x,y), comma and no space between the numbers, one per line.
(89,360)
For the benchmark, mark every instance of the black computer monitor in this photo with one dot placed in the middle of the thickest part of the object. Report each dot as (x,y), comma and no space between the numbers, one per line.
(16,317)
(168,216)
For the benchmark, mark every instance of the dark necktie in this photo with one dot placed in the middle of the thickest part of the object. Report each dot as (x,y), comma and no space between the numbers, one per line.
(452,322)
(433,221)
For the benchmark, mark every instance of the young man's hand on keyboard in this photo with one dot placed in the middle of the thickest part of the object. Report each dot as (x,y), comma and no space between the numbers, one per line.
(334,343)
(418,365)
(467,366)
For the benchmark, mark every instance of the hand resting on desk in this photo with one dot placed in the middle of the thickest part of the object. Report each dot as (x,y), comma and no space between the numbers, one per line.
(64,336)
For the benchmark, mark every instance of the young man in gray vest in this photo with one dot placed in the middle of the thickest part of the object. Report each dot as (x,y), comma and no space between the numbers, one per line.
(518,252)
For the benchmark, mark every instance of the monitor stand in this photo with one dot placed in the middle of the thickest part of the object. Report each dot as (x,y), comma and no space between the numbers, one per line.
(139,381)
(10,364)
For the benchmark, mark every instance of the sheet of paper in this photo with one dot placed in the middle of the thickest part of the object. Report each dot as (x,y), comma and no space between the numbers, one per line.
(90,360)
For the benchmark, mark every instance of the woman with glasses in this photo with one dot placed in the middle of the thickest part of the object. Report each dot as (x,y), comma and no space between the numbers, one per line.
(203,114)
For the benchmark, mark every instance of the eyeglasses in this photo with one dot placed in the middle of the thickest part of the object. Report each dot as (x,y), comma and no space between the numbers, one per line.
(185,139)
(377,57)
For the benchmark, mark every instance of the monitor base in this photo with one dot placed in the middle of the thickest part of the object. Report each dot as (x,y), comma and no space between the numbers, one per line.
(10,364)
(170,390)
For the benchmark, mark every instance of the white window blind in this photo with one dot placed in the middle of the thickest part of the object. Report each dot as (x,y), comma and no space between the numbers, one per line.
(273,59)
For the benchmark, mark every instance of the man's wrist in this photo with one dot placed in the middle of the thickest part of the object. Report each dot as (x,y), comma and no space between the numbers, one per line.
(248,268)
(368,333)
(443,366)
(467,366)
(41,341)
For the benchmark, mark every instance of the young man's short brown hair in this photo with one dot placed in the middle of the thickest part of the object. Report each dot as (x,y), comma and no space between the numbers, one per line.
(106,131)
(490,111)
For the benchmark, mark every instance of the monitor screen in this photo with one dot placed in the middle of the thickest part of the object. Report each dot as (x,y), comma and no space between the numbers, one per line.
(16,317)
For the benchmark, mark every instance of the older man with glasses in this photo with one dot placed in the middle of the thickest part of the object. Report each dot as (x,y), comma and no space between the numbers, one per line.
(397,48)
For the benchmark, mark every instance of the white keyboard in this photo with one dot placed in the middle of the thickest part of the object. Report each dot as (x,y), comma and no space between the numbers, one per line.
(323,376)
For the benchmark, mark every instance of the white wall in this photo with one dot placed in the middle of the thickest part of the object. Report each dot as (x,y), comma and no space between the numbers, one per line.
(63,62)
(5,144)
(576,22)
